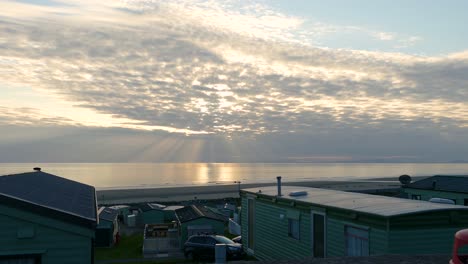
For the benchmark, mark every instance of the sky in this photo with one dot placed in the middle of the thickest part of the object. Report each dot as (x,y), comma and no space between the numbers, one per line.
(233,81)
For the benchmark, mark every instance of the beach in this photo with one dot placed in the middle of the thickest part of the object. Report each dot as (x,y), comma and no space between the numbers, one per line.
(220,191)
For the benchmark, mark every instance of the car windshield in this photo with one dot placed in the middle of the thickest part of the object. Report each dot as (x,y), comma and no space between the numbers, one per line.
(224,240)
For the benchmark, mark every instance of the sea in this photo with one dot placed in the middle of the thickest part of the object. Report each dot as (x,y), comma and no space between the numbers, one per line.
(149,175)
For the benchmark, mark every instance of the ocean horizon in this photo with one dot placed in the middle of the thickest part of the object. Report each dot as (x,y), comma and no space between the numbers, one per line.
(147,175)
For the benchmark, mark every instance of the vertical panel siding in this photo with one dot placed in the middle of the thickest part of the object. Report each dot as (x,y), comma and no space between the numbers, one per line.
(60,246)
(244,221)
(378,241)
(422,241)
(336,240)
(271,232)
(153,217)
(427,233)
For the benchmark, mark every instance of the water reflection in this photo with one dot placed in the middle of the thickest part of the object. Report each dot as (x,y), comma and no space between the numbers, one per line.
(114,175)
(203,173)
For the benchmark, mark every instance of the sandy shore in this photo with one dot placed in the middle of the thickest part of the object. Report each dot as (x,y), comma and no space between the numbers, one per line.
(169,194)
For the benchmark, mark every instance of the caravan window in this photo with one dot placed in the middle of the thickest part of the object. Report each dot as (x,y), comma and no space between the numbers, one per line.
(357,241)
(293,228)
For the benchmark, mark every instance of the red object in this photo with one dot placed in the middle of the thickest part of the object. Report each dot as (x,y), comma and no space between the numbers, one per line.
(117,238)
(461,239)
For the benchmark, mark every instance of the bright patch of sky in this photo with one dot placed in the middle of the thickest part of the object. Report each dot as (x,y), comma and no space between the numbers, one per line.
(41,2)
(409,26)
(273,69)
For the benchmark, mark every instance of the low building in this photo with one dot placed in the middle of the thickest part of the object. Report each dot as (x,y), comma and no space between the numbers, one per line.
(123,211)
(196,219)
(108,227)
(46,219)
(153,213)
(454,188)
(169,212)
(326,223)
(160,239)
(134,218)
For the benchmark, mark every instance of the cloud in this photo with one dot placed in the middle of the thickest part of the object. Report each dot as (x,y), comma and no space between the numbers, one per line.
(201,67)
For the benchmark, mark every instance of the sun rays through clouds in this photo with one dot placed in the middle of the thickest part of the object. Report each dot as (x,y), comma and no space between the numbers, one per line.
(213,69)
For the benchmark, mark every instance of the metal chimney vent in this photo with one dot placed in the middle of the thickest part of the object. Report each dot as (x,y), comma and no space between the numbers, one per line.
(279,185)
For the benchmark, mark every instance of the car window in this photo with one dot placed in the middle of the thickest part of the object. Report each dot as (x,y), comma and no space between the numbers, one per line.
(210,241)
(197,240)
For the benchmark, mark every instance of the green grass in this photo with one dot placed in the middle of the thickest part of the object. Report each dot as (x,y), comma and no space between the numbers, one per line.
(128,248)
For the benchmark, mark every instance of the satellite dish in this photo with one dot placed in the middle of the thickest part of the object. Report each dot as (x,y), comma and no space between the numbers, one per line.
(405,179)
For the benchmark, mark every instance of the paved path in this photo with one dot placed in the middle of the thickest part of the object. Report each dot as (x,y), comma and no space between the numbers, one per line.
(176,194)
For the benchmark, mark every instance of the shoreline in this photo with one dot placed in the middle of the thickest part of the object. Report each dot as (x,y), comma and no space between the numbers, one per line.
(220,191)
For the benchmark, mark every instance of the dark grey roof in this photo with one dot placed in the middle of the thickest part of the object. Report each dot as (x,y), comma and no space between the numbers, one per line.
(108,214)
(173,207)
(52,192)
(192,212)
(356,202)
(442,183)
(145,207)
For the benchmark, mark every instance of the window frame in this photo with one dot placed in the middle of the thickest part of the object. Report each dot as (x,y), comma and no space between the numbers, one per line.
(347,234)
(291,234)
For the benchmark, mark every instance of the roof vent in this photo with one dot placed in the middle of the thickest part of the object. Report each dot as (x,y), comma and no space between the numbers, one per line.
(37,169)
(441,200)
(298,193)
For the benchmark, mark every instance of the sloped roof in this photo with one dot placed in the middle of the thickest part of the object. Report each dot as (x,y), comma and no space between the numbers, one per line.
(108,214)
(444,183)
(173,207)
(145,207)
(357,202)
(192,212)
(119,207)
(50,191)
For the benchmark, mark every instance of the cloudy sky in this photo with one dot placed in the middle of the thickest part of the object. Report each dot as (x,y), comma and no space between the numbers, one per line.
(233,81)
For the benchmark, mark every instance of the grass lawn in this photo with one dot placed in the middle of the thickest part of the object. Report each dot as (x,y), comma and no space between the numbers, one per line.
(128,248)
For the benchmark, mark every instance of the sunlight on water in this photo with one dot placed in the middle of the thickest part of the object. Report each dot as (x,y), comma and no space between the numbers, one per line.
(120,175)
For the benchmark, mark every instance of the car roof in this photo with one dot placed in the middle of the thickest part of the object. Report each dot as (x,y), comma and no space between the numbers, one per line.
(205,235)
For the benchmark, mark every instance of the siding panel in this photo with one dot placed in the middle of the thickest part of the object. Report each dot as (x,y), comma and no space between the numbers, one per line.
(277,245)
(336,240)
(422,241)
(60,246)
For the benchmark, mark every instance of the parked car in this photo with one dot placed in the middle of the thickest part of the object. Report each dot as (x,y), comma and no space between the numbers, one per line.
(237,239)
(203,247)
